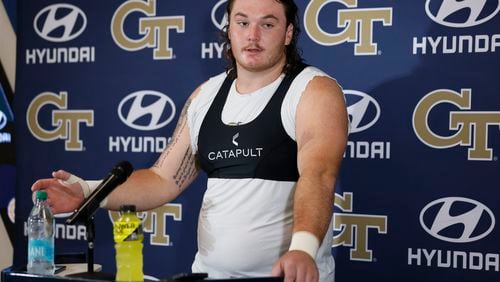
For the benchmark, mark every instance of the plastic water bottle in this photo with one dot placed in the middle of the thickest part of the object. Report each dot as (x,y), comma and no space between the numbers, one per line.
(41,237)
(128,236)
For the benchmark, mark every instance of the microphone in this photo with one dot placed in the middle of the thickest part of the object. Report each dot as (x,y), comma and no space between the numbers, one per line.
(115,177)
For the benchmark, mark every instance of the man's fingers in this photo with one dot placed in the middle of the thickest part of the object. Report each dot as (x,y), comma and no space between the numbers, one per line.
(42,184)
(296,266)
(292,274)
(286,270)
(63,175)
(277,271)
(48,182)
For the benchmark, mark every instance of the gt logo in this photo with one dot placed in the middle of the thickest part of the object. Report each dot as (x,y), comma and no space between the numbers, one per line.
(471,126)
(352,226)
(156,30)
(66,122)
(357,25)
(155,222)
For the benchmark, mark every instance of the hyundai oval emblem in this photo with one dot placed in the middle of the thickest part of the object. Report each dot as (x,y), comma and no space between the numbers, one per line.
(146,110)
(60,22)
(457,219)
(461,14)
(3,120)
(363,110)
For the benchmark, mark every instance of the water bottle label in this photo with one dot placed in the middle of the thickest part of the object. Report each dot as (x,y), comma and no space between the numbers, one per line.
(127,231)
(40,249)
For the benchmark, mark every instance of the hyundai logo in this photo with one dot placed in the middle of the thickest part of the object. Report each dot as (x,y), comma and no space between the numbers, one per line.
(219,18)
(60,22)
(363,110)
(146,110)
(457,219)
(3,120)
(455,13)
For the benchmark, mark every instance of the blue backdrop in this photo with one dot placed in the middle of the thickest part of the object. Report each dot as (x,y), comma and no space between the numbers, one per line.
(102,81)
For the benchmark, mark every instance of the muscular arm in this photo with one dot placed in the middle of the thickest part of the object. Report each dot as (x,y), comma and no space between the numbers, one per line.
(321,128)
(321,132)
(174,170)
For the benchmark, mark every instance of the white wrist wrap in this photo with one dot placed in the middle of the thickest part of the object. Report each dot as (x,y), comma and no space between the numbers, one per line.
(85,186)
(93,185)
(305,241)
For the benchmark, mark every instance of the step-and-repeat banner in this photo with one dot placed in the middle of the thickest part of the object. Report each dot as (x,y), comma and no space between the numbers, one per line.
(102,81)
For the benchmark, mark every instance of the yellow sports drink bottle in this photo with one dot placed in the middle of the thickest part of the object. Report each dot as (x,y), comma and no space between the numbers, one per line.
(127,231)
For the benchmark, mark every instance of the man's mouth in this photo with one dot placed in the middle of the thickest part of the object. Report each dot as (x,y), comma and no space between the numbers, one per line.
(253,49)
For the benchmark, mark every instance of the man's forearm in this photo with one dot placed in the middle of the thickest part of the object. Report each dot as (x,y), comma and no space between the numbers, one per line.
(144,189)
(313,206)
(313,209)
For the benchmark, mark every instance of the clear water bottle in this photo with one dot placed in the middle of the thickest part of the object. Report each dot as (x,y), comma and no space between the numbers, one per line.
(41,237)
(128,236)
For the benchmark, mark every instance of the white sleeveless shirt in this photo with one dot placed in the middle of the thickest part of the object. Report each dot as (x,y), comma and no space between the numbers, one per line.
(245,225)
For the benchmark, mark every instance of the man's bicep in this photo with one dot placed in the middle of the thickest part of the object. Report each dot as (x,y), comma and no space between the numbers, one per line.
(321,125)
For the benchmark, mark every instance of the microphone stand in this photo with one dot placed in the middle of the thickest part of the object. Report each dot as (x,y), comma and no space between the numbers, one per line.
(90,226)
(91,274)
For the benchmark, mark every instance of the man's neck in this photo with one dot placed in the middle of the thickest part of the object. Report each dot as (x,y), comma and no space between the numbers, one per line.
(249,81)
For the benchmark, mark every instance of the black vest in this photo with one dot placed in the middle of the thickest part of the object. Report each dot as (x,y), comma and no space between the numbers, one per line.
(259,149)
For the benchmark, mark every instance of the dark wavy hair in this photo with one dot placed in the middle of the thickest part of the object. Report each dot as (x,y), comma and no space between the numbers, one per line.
(293,54)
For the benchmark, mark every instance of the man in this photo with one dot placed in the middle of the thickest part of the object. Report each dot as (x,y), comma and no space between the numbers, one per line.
(271,138)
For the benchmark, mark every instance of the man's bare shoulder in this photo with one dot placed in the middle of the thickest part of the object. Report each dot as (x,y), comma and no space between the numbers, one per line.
(323,85)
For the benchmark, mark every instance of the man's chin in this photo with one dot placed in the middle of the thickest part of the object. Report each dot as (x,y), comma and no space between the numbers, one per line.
(255,66)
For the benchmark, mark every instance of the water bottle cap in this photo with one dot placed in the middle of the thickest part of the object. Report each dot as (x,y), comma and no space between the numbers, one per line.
(127,208)
(41,195)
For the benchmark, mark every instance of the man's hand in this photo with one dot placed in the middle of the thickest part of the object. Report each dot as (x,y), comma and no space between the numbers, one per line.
(296,266)
(63,194)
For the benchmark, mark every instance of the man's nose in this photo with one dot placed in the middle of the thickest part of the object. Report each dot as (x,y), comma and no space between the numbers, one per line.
(254,33)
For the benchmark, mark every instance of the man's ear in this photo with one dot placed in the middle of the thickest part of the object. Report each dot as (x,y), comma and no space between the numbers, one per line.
(289,34)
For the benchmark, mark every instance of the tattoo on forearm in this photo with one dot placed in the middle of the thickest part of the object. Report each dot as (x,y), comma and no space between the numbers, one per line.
(186,170)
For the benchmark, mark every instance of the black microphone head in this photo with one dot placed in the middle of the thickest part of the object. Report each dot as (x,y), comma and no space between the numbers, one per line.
(122,170)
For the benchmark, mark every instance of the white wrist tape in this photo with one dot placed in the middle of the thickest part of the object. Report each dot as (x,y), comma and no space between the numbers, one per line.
(85,186)
(93,185)
(305,241)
